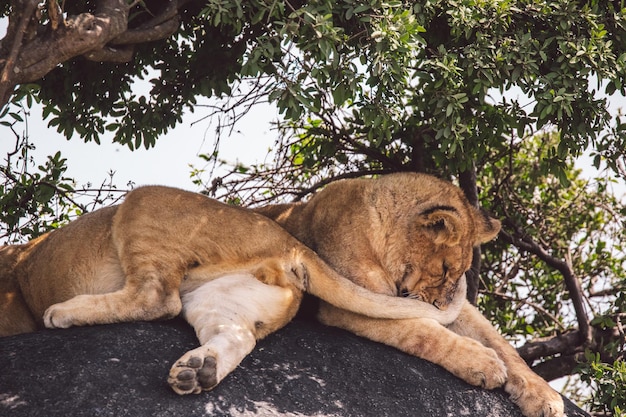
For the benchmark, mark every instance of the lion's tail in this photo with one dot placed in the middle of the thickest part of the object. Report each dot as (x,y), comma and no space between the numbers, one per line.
(321,280)
(15,316)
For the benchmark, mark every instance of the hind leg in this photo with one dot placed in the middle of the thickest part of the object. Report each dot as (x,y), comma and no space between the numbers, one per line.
(15,317)
(229,315)
(151,254)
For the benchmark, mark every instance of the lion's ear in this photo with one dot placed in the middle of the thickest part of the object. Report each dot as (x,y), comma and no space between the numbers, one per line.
(487,228)
(443,223)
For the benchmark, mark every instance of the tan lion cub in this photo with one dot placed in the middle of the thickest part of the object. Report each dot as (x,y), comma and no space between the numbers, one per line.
(372,231)
(235,275)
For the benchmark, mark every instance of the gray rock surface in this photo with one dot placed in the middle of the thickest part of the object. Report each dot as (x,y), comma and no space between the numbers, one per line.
(305,369)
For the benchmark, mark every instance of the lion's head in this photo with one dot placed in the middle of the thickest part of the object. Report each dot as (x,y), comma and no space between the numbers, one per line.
(402,234)
(440,241)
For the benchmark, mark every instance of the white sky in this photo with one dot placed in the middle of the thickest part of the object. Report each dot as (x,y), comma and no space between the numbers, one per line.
(166,164)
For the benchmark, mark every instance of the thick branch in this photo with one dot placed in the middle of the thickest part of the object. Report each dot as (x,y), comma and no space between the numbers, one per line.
(32,59)
(120,49)
(6,84)
(148,34)
(558,367)
(567,343)
(81,34)
(102,36)
(110,54)
(565,351)
(160,26)
(467,182)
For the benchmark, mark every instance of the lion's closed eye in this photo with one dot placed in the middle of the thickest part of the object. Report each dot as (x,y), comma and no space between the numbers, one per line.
(443,276)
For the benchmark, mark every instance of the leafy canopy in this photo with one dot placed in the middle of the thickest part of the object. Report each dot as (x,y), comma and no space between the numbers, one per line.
(395,75)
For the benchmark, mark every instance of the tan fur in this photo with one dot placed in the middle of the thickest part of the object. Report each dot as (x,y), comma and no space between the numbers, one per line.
(164,250)
(412,235)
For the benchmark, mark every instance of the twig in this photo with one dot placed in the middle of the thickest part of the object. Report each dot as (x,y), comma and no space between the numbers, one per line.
(535,306)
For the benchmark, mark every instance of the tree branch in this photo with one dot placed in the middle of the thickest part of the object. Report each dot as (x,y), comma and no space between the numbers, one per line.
(160,26)
(81,34)
(566,350)
(558,367)
(566,343)
(29,60)
(6,83)
(467,182)
(102,36)
(569,277)
(532,305)
(148,34)
(110,54)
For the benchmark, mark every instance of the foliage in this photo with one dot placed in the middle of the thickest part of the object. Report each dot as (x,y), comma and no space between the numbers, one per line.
(416,86)
(582,223)
(500,95)
(610,378)
(391,72)
(28,195)
(523,291)
(38,197)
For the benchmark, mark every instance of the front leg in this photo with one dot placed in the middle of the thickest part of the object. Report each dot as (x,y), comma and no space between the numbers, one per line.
(527,389)
(427,339)
(229,314)
(151,302)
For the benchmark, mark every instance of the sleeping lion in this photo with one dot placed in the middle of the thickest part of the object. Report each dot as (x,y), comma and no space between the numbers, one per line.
(404,239)
(235,276)
(372,231)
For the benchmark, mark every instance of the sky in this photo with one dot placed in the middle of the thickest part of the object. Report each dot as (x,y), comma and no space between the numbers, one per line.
(165,164)
(168,163)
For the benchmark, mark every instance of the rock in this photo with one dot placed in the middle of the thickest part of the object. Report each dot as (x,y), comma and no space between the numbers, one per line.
(306,369)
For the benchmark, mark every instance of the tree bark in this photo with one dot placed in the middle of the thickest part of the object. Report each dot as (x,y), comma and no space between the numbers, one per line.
(33,46)
(467,182)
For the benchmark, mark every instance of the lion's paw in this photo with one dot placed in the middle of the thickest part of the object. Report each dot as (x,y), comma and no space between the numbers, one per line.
(535,397)
(193,373)
(482,368)
(57,317)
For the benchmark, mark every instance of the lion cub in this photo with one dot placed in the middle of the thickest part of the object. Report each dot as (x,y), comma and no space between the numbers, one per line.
(412,235)
(235,275)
